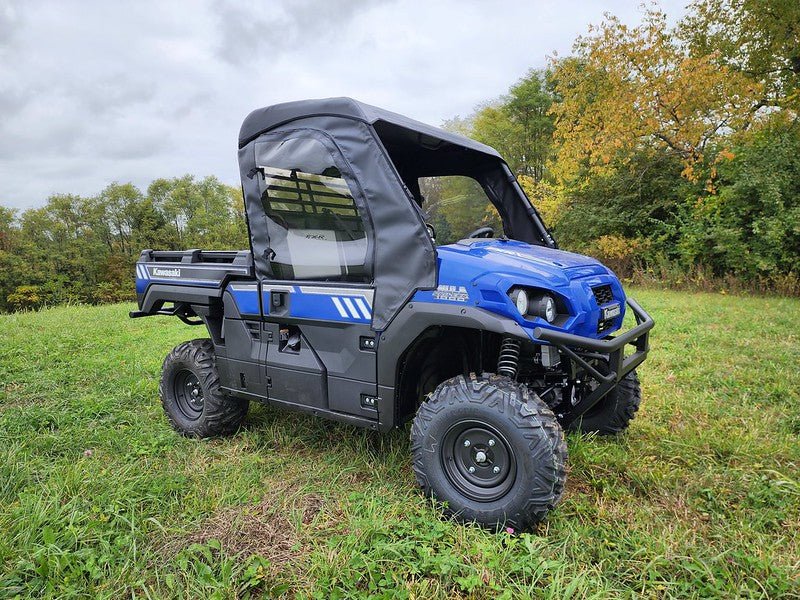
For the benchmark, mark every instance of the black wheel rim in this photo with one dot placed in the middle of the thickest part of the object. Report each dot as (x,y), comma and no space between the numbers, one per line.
(188,394)
(478,460)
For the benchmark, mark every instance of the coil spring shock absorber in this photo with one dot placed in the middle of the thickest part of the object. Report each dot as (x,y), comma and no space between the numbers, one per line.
(508,360)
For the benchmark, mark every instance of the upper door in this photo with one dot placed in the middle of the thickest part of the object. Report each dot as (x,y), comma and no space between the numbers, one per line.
(315,230)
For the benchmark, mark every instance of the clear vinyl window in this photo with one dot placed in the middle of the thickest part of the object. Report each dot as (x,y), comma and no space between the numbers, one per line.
(315,229)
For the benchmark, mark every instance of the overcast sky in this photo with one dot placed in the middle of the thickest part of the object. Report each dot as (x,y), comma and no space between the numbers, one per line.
(95,92)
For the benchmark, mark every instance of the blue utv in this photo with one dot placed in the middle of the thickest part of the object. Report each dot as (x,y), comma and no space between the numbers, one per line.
(345,307)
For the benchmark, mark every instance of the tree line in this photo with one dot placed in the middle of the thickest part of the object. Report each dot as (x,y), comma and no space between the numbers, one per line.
(82,249)
(670,152)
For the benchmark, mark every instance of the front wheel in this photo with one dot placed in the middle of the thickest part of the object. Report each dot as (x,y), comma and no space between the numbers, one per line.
(191,394)
(490,451)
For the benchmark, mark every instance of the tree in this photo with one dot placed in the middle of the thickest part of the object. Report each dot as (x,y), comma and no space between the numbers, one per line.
(205,213)
(11,265)
(636,202)
(758,38)
(632,86)
(520,125)
(121,203)
(750,226)
(8,217)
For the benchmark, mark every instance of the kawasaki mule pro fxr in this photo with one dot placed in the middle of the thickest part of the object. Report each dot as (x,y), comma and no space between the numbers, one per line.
(344,307)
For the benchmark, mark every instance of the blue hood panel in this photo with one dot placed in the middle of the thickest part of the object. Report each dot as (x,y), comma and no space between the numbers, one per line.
(518,255)
(481,272)
(554,267)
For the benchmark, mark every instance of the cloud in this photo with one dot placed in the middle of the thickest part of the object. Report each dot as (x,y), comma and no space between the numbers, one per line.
(9,22)
(93,91)
(279,29)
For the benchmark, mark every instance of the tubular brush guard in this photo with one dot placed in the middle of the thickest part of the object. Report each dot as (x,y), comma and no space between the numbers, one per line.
(613,348)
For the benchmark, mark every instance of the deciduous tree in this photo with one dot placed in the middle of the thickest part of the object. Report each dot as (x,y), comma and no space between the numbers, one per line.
(631,86)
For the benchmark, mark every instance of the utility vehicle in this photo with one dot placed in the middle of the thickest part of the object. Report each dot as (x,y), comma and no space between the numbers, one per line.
(345,307)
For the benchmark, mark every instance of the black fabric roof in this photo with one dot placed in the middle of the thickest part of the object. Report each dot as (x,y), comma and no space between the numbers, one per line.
(263,119)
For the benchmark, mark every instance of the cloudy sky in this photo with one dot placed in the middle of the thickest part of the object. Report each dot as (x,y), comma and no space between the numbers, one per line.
(95,92)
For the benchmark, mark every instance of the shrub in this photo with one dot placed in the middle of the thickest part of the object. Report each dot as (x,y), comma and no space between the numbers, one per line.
(25,297)
(109,292)
(619,253)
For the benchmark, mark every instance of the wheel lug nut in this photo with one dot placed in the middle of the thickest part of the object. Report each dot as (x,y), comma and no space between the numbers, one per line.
(491,442)
(466,443)
(472,469)
(480,456)
(496,470)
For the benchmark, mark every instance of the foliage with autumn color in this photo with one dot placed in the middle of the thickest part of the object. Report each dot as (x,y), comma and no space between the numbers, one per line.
(669,151)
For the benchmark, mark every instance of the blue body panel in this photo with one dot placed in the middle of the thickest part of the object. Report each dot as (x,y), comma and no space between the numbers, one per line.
(246,298)
(335,305)
(482,272)
(478,273)
(321,303)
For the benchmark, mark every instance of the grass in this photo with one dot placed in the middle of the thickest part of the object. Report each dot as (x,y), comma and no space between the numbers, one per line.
(99,498)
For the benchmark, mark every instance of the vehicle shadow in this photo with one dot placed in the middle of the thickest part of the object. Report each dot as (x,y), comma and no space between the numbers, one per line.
(278,428)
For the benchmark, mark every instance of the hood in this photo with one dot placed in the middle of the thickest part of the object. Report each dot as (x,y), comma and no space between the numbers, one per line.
(518,258)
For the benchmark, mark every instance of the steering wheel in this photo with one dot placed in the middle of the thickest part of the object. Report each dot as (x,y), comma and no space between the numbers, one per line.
(482,232)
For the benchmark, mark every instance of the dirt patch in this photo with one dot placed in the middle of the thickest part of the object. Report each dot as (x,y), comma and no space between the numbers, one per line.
(254,529)
(10,396)
(267,528)
(312,505)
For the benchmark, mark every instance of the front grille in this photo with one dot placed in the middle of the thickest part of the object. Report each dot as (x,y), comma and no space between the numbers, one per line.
(603,294)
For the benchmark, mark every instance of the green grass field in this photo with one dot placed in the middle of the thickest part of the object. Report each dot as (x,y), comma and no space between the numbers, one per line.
(99,498)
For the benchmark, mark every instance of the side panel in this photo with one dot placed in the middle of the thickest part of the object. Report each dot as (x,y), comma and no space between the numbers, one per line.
(294,371)
(240,353)
(324,356)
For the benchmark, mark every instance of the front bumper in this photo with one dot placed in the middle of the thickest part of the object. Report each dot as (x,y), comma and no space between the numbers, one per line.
(611,351)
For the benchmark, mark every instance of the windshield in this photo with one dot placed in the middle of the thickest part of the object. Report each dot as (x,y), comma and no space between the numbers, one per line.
(456,206)
(461,188)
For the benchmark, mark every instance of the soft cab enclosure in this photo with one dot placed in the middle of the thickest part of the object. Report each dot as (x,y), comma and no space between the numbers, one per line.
(339,147)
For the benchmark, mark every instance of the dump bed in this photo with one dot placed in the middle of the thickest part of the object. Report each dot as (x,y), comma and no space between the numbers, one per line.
(192,280)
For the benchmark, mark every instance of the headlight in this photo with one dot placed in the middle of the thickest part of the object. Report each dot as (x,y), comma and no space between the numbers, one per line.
(545,307)
(520,298)
(531,304)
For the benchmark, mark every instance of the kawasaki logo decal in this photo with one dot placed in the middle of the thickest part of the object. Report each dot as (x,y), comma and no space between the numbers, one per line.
(166,272)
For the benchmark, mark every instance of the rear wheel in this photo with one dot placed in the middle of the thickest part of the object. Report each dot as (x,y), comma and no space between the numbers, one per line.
(191,396)
(490,451)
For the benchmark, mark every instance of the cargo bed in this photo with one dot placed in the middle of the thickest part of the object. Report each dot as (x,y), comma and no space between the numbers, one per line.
(191,280)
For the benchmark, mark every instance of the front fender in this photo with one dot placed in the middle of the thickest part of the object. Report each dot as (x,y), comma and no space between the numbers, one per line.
(416,317)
